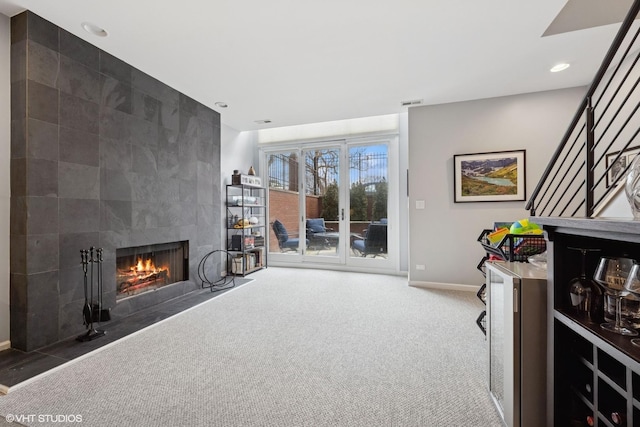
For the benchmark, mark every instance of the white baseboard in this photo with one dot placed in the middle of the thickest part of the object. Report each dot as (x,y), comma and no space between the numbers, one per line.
(4,345)
(447,286)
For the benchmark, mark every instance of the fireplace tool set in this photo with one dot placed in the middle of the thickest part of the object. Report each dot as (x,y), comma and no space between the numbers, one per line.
(93,310)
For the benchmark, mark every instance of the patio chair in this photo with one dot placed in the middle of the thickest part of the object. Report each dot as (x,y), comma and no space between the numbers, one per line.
(374,241)
(284,242)
(319,235)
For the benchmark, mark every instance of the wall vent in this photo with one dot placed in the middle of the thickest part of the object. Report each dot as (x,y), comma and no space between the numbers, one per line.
(412,102)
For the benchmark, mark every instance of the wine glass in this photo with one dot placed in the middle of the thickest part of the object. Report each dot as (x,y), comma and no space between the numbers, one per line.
(612,274)
(586,295)
(632,285)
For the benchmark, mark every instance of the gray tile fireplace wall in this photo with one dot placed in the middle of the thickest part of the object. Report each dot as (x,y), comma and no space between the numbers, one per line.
(102,155)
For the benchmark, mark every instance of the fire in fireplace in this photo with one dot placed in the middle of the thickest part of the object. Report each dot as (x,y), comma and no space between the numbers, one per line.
(144,268)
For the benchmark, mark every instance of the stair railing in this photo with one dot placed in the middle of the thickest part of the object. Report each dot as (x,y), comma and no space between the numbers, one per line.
(588,167)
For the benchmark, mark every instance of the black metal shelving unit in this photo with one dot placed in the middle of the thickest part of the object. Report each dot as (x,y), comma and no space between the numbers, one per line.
(246,228)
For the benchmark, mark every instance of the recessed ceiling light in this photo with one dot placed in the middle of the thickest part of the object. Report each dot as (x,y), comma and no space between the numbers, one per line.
(560,67)
(263,122)
(94,29)
(221,104)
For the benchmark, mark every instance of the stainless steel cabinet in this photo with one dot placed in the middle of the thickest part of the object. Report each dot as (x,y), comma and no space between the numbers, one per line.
(516,335)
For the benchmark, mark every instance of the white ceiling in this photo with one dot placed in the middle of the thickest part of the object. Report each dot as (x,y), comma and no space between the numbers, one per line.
(304,61)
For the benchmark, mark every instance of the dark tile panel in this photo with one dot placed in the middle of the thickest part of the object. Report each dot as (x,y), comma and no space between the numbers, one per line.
(116,68)
(79,50)
(78,181)
(145,107)
(115,94)
(18,329)
(42,253)
(18,177)
(34,364)
(18,221)
(19,61)
(116,185)
(115,215)
(144,160)
(79,215)
(205,216)
(70,317)
(70,246)
(168,154)
(205,183)
(42,328)
(144,215)
(42,31)
(188,191)
(169,115)
(18,292)
(79,80)
(44,64)
(18,138)
(19,100)
(169,189)
(42,140)
(42,215)
(77,146)
(143,132)
(19,28)
(115,155)
(42,177)
(144,188)
(18,254)
(42,293)
(70,281)
(115,124)
(78,113)
(42,102)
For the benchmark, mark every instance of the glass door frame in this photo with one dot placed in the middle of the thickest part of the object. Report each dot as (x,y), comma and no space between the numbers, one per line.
(345,258)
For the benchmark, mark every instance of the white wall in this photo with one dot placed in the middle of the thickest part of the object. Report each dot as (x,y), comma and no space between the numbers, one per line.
(5,189)
(238,151)
(443,236)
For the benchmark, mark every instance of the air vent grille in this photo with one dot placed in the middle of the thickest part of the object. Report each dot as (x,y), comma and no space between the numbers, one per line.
(412,102)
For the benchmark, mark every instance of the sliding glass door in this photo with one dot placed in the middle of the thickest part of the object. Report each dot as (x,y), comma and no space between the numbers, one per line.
(328,203)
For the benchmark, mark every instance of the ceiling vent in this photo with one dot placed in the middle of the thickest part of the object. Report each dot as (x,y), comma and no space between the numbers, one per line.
(263,122)
(411,103)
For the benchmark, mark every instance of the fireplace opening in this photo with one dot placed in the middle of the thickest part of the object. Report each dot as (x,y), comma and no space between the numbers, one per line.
(145,268)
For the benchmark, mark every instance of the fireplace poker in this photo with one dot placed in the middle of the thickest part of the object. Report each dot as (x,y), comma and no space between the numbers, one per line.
(86,311)
(100,314)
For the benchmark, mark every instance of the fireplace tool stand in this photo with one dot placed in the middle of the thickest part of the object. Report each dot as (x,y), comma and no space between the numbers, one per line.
(91,311)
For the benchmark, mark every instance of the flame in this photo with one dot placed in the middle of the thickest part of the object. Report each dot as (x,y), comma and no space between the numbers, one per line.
(147,267)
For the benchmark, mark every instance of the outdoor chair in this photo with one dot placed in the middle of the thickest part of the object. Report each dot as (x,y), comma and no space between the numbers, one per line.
(319,235)
(374,241)
(284,242)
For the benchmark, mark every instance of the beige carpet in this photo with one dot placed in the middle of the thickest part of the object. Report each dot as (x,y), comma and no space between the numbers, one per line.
(294,348)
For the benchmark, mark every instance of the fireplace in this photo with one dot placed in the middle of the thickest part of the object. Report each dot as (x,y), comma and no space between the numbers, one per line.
(146,268)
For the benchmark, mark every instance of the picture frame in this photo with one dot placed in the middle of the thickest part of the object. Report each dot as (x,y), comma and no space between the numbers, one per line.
(497,176)
(618,168)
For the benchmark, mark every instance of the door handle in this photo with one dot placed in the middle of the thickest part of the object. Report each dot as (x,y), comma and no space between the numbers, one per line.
(342,214)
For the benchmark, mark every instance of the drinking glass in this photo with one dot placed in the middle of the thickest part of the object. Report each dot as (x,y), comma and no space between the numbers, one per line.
(586,295)
(612,274)
(632,284)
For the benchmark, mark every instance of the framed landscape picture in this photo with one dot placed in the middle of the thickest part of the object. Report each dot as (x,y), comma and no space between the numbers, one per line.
(489,177)
(619,166)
